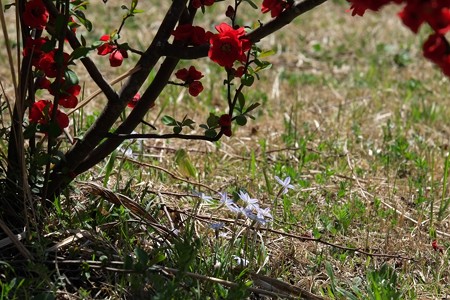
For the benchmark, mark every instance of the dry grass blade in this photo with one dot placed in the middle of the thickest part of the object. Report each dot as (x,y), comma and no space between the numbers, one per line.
(15,240)
(69,240)
(135,208)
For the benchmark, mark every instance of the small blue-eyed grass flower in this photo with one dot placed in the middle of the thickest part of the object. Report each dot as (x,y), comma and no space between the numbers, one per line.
(285,184)
(250,202)
(252,216)
(201,195)
(228,202)
(261,213)
(216,226)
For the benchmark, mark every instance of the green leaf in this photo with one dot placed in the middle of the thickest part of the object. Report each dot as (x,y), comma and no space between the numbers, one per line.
(252,4)
(188,122)
(204,126)
(266,53)
(252,107)
(134,3)
(169,121)
(247,79)
(71,77)
(83,41)
(177,129)
(212,120)
(185,166)
(82,18)
(8,6)
(241,99)
(109,168)
(241,120)
(79,52)
(211,133)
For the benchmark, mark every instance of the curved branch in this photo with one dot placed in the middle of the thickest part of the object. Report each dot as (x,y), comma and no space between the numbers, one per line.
(138,113)
(63,173)
(285,18)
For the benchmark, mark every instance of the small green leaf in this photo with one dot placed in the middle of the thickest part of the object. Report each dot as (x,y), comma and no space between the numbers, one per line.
(266,53)
(211,133)
(252,107)
(252,4)
(169,121)
(241,99)
(247,79)
(177,129)
(134,3)
(212,120)
(185,166)
(82,18)
(80,52)
(83,41)
(71,77)
(188,122)
(204,126)
(241,120)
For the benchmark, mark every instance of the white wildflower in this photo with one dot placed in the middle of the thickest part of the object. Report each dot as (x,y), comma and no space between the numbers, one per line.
(285,184)
(229,202)
(251,203)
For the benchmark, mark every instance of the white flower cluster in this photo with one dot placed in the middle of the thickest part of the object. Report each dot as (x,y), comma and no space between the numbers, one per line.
(251,208)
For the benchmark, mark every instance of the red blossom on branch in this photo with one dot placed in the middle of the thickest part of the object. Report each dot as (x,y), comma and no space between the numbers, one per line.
(202,3)
(41,111)
(192,35)
(35,14)
(67,95)
(116,54)
(49,66)
(190,78)
(274,6)
(33,47)
(132,103)
(227,46)
(225,124)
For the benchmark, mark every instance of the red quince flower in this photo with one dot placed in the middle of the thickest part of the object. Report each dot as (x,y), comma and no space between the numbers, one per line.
(201,3)
(35,14)
(132,103)
(190,78)
(41,112)
(190,75)
(42,83)
(227,46)
(48,64)
(274,6)
(435,47)
(67,94)
(225,124)
(116,57)
(192,35)
(33,47)
(439,20)
(412,15)
(195,88)
(239,71)
(359,7)
(107,47)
